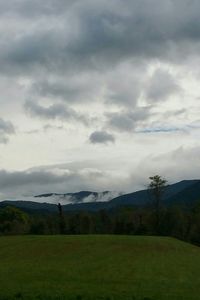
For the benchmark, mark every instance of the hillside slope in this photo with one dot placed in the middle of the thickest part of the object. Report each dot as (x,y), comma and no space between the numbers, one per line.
(172,194)
(102,267)
(187,196)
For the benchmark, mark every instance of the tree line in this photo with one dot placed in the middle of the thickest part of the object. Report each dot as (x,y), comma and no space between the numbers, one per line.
(173,221)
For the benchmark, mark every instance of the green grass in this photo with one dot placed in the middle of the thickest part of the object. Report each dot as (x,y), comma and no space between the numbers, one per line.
(98,267)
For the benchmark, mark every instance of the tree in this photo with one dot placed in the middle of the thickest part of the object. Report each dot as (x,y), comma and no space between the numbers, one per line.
(157,188)
(13,221)
(62,224)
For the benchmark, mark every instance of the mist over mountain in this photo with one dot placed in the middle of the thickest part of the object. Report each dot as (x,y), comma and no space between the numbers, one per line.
(79,197)
(184,193)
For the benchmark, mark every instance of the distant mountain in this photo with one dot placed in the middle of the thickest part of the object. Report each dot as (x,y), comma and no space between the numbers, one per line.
(30,206)
(143,197)
(186,192)
(80,197)
(187,196)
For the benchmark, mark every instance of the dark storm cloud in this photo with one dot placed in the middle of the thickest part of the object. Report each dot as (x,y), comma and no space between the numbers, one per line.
(6,129)
(56,42)
(54,111)
(92,34)
(101,137)
(29,52)
(34,8)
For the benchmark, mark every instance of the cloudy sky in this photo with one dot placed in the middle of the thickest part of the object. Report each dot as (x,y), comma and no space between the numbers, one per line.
(98,95)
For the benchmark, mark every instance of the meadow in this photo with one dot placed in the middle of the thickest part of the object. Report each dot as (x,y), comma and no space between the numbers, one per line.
(98,267)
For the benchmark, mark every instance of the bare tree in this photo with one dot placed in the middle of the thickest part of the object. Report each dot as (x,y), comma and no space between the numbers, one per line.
(61,219)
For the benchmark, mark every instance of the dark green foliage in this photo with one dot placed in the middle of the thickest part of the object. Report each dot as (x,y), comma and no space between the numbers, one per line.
(173,221)
(13,221)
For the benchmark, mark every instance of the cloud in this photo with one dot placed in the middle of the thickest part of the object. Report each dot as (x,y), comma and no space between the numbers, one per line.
(101,71)
(77,88)
(124,86)
(34,9)
(22,178)
(101,137)
(68,199)
(161,129)
(6,129)
(53,179)
(175,165)
(31,183)
(98,34)
(127,121)
(102,197)
(161,85)
(54,111)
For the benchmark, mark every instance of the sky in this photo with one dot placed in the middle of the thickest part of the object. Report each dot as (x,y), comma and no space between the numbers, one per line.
(98,95)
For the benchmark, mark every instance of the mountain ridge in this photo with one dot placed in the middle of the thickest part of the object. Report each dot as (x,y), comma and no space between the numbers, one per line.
(185,192)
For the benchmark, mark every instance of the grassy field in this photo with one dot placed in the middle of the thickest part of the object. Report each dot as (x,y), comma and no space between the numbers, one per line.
(98,267)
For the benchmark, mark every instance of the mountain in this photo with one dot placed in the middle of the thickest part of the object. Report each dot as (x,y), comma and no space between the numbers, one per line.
(185,192)
(30,206)
(186,196)
(80,197)
(143,197)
